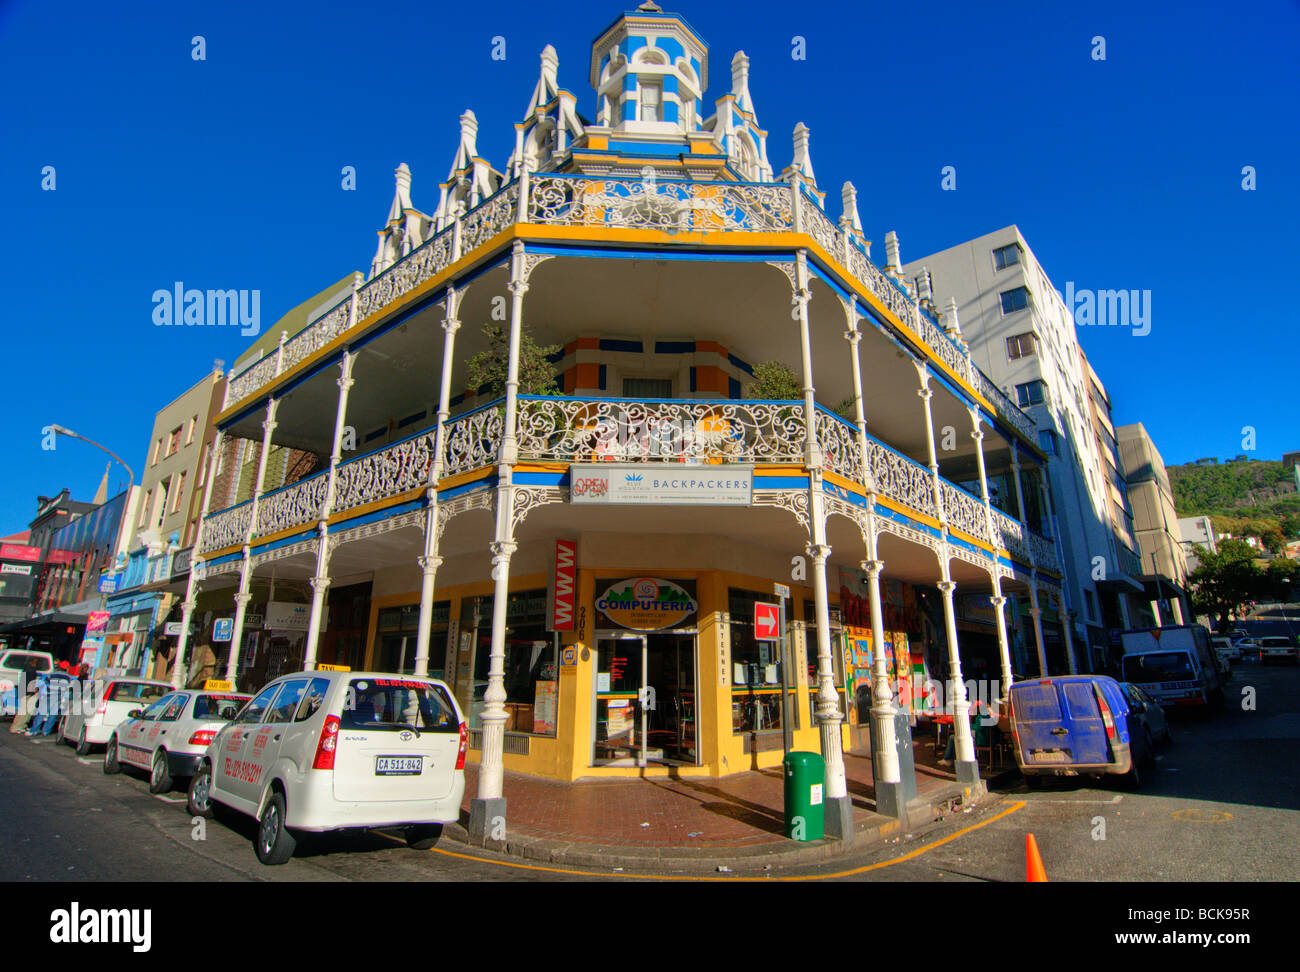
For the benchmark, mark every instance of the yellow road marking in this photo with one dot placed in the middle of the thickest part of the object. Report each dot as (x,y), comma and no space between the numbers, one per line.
(682,877)
(1199,815)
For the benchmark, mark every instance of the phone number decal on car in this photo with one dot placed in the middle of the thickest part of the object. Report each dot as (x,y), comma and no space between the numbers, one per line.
(238,769)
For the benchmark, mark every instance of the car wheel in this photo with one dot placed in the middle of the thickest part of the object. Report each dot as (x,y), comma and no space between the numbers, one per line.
(274,844)
(423,836)
(83,747)
(58,731)
(111,765)
(199,802)
(1132,780)
(160,779)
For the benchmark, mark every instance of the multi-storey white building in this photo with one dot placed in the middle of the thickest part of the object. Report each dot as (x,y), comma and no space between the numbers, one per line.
(1022,335)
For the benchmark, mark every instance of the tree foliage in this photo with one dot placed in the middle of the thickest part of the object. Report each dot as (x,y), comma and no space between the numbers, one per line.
(1225,582)
(774,381)
(487,370)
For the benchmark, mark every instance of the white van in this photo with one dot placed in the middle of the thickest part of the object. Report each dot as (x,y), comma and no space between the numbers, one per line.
(13,663)
(1175,665)
(328,750)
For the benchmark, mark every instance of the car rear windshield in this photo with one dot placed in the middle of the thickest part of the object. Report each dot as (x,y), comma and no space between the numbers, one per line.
(134,692)
(398,703)
(1160,666)
(1275,643)
(18,660)
(223,707)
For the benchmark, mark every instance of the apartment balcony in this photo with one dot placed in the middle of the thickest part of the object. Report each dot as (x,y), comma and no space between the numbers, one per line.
(565,430)
(662,213)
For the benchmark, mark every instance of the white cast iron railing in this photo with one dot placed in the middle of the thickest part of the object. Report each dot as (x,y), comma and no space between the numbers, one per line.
(228,528)
(293,505)
(615,429)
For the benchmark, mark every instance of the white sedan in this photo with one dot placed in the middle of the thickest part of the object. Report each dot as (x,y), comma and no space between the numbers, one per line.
(168,739)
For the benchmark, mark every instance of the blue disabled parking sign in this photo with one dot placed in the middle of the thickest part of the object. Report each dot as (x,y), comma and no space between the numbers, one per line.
(223,629)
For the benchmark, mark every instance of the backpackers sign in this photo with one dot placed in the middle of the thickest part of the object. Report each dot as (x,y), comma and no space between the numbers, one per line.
(646,604)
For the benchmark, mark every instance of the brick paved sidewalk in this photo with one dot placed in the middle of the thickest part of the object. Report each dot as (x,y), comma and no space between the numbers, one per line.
(742,813)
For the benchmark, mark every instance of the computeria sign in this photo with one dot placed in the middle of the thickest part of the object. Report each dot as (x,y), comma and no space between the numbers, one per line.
(564,584)
(662,483)
(646,604)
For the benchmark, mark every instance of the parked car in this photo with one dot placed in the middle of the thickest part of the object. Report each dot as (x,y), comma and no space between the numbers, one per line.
(1077,724)
(118,698)
(1247,648)
(1175,665)
(1278,648)
(1146,710)
(13,662)
(328,750)
(1226,649)
(168,739)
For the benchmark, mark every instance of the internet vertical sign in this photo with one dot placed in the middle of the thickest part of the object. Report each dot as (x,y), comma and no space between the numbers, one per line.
(564,585)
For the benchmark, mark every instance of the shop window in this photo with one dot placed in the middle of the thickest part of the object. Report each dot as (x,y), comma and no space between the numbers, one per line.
(396,634)
(531,672)
(755,668)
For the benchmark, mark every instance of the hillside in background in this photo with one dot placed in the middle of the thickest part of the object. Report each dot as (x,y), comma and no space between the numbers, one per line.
(1243,498)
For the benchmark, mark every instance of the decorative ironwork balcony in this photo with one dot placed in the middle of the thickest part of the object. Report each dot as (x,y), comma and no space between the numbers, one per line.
(669,206)
(623,430)
(227,528)
(292,505)
(1011,535)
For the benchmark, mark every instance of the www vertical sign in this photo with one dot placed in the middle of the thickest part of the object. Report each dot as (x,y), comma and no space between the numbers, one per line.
(564,583)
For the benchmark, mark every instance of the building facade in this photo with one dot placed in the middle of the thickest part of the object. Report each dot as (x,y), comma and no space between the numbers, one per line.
(1164,561)
(1022,335)
(582,566)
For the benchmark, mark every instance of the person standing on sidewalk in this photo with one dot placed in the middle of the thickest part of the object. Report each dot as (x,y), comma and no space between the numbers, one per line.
(58,691)
(26,698)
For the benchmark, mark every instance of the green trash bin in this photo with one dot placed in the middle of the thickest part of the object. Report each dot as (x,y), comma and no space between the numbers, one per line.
(805,782)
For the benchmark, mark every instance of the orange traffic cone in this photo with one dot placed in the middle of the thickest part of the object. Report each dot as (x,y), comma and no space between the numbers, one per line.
(1033,861)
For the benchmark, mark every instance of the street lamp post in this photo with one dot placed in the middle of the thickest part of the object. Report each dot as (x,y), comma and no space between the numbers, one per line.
(130,481)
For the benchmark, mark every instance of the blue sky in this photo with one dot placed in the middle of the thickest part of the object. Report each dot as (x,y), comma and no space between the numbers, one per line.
(225,173)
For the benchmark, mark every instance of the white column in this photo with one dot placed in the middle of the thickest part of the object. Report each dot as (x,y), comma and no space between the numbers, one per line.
(196,561)
(489,804)
(1035,611)
(1176,605)
(957,688)
(246,567)
(883,711)
(430,561)
(321,582)
(926,393)
(829,717)
(999,602)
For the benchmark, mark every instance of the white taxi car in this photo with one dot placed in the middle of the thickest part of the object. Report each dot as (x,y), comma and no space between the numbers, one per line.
(169,738)
(112,701)
(333,749)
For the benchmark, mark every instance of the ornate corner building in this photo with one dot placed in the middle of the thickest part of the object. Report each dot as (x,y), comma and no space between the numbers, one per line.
(582,567)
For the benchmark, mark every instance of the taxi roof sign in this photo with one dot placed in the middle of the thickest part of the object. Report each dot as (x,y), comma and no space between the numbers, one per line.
(218,685)
(334,668)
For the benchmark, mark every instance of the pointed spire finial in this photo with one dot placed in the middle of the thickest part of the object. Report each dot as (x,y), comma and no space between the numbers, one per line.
(650,7)
(740,80)
(802,159)
(892,261)
(849,200)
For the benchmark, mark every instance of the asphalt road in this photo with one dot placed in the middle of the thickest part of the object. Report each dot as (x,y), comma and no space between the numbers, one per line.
(1223,804)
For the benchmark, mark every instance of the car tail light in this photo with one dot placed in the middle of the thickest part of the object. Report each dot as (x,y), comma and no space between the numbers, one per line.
(464,746)
(1107,720)
(202,737)
(329,741)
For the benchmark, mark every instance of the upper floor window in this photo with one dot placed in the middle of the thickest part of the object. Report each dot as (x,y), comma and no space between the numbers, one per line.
(1021,345)
(1015,299)
(189,436)
(174,441)
(1047,439)
(157,448)
(1030,393)
(652,96)
(647,388)
(1006,256)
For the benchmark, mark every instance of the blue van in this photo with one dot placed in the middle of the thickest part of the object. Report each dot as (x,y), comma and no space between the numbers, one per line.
(1076,724)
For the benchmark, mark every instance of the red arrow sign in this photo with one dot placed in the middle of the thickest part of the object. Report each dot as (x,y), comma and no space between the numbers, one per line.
(767,622)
